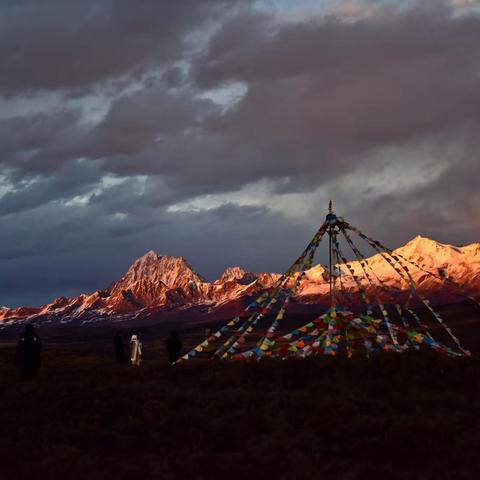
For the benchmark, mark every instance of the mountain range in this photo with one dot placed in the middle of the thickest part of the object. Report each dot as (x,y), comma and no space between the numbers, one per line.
(160,286)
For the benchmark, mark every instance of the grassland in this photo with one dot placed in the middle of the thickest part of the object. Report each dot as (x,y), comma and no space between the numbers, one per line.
(405,416)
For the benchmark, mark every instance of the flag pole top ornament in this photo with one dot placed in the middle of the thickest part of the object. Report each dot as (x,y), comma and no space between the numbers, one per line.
(331,217)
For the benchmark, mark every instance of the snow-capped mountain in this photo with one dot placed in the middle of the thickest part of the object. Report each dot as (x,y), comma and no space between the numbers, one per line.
(152,282)
(459,264)
(158,283)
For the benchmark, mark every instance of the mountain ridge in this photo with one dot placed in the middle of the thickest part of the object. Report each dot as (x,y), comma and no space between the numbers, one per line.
(156,282)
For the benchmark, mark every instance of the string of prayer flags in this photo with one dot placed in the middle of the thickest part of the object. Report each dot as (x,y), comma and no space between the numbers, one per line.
(339,330)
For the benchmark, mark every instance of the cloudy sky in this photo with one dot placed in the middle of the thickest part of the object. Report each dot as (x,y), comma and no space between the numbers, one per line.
(218,130)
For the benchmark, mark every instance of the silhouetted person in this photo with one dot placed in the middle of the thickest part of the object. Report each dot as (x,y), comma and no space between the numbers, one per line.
(119,347)
(27,356)
(174,347)
(135,351)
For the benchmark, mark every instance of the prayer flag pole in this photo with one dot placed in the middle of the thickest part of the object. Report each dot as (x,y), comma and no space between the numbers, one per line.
(323,335)
(330,217)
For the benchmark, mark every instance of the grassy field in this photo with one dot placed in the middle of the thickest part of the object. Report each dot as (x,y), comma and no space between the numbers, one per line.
(393,416)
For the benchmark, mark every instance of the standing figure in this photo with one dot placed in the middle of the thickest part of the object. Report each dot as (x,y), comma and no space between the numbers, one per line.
(173,346)
(27,356)
(136,351)
(119,348)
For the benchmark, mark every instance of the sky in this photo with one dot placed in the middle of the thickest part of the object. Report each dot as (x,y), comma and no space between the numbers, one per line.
(219,129)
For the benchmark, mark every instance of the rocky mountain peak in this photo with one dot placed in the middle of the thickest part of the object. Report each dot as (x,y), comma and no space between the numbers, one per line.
(237,274)
(160,269)
(156,281)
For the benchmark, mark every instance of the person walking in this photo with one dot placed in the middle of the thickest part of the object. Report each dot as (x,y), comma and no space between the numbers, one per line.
(173,346)
(135,351)
(28,353)
(119,348)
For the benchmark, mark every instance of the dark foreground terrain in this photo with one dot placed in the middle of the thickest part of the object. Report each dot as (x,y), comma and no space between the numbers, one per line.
(409,416)
(405,416)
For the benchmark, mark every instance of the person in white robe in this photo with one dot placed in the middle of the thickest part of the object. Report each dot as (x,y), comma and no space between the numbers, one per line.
(136,351)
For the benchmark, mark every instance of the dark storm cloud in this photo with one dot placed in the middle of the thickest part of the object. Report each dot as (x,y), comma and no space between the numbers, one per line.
(322,98)
(324,92)
(134,125)
(319,95)
(23,137)
(147,118)
(70,44)
(69,181)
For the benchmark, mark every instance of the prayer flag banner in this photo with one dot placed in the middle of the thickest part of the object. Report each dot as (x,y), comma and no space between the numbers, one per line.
(380,323)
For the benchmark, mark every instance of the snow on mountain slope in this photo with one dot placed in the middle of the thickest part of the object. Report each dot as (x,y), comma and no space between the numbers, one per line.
(153,280)
(461,264)
(159,281)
